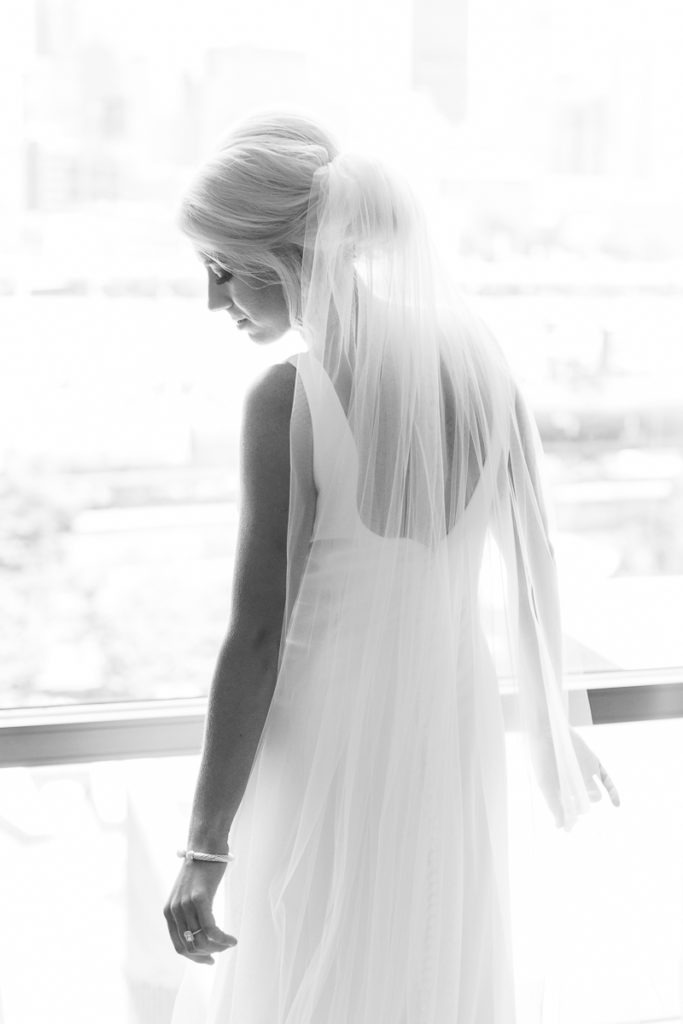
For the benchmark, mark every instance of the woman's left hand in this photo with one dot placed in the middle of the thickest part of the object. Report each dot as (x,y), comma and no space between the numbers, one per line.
(590,767)
(189,910)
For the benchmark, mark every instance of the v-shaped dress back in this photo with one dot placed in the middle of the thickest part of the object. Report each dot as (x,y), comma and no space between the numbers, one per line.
(371,880)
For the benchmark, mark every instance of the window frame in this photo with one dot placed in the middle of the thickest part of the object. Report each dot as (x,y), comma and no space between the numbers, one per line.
(79,733)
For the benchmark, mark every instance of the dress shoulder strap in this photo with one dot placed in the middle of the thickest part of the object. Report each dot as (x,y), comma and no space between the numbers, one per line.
(326,409)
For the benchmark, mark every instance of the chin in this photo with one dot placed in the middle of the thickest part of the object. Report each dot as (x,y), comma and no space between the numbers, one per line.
(263,335)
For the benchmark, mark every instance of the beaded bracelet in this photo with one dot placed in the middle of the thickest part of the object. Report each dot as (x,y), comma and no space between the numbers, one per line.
(189,855)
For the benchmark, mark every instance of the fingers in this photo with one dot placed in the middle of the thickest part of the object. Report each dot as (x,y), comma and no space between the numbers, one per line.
(176,928)
(181,923)
(211,936)
(193,931)
(194,939)
(610,787)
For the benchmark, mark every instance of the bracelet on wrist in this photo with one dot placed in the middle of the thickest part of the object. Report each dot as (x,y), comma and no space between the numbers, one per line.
(189,855)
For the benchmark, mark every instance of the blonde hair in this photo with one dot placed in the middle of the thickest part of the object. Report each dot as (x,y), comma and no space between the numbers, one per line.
(246,206)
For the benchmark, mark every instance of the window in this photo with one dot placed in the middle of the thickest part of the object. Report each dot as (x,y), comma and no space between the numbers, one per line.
(551,147)
(550,156)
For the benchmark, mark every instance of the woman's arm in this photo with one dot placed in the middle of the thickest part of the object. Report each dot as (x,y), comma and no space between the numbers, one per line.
(246,670)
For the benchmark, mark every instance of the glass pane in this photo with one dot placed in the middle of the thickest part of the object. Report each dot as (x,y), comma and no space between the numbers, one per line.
(611,890)
(602,375)
(88,858)
(118,501)
(84,887)
(552,171)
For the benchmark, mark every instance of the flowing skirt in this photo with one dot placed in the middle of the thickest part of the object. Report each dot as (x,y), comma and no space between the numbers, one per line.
(370,883)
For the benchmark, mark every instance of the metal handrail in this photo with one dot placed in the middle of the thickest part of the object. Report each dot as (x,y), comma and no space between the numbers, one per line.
(157,728)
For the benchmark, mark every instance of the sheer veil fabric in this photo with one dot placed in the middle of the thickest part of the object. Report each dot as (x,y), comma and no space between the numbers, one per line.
(371,880)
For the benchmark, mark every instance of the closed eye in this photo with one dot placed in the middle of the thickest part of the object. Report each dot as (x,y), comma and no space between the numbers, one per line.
(222,277)
(220,274)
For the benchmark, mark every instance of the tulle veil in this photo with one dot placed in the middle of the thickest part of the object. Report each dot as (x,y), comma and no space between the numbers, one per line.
(443,441)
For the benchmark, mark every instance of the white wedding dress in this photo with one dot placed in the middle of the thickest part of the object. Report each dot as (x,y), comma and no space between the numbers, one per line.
(370,882)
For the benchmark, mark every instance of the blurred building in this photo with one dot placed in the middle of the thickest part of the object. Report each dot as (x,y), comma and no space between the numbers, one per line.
(440,51)
(245,75)
(560,110)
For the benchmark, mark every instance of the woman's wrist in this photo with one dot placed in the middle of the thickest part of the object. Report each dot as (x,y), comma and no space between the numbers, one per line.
(207,843)
(201,856)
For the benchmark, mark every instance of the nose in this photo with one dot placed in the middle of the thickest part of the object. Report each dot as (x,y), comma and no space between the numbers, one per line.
(218,296)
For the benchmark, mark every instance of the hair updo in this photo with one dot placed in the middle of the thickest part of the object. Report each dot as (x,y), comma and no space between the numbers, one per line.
(246,206)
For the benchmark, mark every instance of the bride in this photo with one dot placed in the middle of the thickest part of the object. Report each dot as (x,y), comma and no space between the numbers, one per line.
(354,750)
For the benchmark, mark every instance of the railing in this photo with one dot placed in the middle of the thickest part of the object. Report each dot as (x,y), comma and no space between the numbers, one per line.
(132,729)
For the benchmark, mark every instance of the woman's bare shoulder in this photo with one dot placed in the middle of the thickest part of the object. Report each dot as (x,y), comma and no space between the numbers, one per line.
(272,393)
(268,411)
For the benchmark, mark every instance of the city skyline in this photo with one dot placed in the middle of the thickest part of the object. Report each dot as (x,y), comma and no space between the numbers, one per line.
(97,117)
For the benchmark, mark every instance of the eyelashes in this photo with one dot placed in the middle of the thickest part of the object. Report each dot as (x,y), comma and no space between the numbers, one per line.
(220,275)
(223,277)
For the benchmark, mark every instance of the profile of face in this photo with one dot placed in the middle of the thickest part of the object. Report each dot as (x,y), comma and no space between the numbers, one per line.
(257,308)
